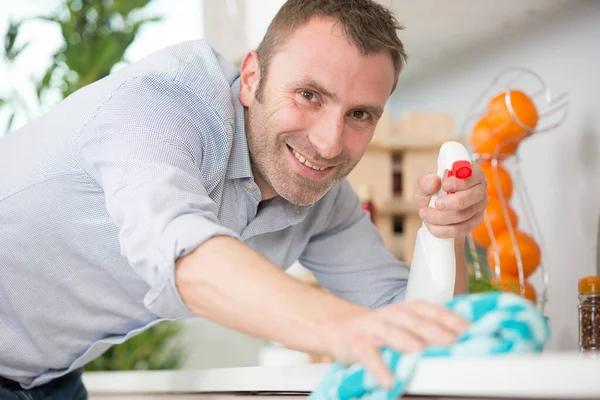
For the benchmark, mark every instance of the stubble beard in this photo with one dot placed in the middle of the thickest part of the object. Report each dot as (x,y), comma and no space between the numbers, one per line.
(269,163)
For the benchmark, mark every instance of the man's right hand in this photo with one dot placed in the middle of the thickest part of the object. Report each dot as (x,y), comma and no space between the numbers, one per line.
(406,327)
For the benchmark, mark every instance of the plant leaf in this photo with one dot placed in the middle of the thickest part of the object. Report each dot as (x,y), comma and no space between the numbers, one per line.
(44,83)
(9,123)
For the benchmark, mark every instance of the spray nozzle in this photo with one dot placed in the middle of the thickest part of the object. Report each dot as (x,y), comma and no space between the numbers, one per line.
(455,159)
(461,169)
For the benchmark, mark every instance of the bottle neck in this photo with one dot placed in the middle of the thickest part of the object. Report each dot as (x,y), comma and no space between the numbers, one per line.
(589,298)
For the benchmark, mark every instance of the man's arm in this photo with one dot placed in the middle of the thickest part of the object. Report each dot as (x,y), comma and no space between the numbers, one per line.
(348,256)
(229,283)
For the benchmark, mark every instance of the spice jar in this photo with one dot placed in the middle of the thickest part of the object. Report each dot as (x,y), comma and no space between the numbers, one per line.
(589,315)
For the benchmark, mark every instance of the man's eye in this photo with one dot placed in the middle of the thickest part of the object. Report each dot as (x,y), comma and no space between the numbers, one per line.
(308,95)
(361,115)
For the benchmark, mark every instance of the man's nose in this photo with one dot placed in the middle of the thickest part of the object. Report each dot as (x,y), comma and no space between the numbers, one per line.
(326,136)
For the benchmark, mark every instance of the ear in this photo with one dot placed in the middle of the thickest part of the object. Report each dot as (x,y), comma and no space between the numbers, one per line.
(250,74)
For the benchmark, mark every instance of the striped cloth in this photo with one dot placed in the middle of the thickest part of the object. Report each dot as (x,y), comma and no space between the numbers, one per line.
(501,323)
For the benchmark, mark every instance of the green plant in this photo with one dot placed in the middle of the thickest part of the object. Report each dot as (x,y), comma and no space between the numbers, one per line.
(482,283)
(96,34)
(150,350)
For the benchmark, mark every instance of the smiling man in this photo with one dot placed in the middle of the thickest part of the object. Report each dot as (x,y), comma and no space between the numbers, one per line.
(181,186)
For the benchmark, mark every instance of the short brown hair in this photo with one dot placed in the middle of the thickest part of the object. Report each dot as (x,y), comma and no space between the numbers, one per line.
(368,25)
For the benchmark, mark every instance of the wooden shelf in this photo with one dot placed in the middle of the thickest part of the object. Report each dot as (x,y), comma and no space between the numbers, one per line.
(397,206)
(398,248)
(403,143)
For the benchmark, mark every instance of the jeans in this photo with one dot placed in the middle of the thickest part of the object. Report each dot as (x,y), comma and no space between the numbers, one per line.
(68,387)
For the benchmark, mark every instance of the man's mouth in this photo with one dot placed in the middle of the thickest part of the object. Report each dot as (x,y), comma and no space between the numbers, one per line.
(304,161)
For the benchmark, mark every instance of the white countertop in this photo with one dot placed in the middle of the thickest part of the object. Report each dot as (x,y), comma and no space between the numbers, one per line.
(544,376)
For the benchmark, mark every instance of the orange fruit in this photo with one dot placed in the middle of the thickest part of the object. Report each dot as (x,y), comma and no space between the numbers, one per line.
(504,124)
(498,180)
(528,248)
(484,143)
(511,284)
(493,211)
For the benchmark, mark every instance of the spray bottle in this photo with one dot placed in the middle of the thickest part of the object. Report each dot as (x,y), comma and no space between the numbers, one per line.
(433,270)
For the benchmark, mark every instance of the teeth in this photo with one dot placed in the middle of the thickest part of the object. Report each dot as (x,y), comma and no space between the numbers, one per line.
(305,161)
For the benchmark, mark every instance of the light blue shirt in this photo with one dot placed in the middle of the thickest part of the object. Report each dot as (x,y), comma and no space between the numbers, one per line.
(99,197)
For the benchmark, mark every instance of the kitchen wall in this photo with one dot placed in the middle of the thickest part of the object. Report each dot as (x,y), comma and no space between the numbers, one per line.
(560,168)
(234,26)
(209,345)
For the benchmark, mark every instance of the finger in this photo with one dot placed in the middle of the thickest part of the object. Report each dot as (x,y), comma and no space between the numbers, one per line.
(452,183)
(455,230)
(435,217)
(371,359)
(425,186)
(440,314)
(398,337)
(422,331)
(461,200)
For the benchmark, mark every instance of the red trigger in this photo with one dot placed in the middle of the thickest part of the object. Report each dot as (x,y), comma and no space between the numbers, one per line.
(460,169)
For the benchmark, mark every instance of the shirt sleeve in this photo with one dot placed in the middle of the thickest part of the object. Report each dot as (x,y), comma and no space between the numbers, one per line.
(350,259)
(143,147)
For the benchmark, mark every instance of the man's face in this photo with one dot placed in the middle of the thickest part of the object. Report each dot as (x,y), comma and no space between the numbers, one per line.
(318,111)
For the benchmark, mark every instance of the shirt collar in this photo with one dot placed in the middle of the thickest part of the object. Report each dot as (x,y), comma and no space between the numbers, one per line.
(239,162)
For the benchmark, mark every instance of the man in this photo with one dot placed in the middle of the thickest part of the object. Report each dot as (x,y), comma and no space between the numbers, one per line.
(180,187)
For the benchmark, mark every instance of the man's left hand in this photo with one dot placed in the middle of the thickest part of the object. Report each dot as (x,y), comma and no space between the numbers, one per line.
(456,214)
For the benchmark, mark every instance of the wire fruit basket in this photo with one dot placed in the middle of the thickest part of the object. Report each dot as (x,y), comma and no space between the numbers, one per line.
(508,248)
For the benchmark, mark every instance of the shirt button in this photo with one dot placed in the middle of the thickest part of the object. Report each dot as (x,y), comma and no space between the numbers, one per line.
(250,186)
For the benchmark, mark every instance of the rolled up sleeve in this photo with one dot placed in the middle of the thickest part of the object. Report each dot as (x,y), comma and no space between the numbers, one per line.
(144,149)
(349,258)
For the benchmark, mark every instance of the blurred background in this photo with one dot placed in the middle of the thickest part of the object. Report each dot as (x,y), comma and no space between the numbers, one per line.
(455,48)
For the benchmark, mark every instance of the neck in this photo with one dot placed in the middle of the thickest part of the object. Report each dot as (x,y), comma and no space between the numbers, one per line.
(266,191)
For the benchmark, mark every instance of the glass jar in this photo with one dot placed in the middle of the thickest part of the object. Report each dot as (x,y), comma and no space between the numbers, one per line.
(589,315)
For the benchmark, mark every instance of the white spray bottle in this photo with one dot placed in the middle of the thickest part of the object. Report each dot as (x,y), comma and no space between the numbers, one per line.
(433,269)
